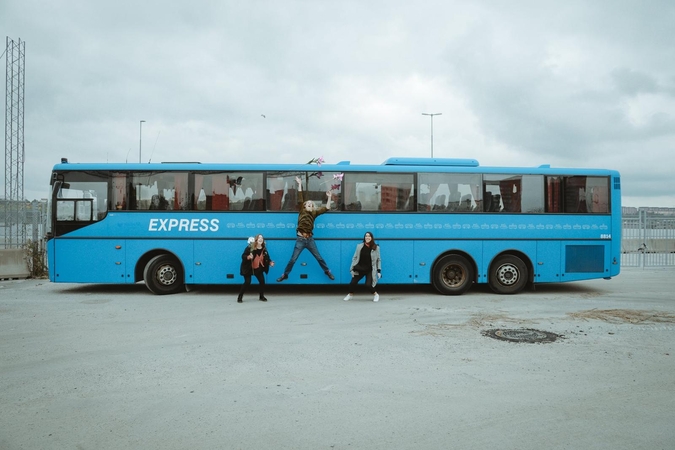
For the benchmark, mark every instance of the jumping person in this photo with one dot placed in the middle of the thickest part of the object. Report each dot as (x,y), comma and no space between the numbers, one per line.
(305,238)
(366,263)
(254,261)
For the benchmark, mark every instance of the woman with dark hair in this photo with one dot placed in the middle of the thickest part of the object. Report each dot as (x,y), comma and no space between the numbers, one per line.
(254,261)
(366,263)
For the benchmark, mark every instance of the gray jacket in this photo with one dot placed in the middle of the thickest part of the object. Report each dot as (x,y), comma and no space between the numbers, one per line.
(374,257)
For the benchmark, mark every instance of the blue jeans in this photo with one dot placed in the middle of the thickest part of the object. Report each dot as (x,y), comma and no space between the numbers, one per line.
(302,243)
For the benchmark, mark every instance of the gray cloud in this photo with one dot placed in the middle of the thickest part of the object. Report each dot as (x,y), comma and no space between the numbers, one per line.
(579,84)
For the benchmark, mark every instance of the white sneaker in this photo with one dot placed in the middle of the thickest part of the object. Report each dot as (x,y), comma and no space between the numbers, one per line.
(348,297)
(376,298)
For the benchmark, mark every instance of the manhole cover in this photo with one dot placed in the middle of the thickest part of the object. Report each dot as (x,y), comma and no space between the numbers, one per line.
(521,335)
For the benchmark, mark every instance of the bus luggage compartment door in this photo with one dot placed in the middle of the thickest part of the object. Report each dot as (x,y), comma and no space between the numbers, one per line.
(89,261)
(584,260)
(397,262)
(547,263)
(218,261)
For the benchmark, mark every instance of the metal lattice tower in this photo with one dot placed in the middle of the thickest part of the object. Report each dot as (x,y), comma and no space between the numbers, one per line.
(15,228)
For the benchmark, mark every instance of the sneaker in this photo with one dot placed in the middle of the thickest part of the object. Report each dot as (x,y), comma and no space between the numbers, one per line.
(376,298)
(330,275)
(348,297)
(282,278)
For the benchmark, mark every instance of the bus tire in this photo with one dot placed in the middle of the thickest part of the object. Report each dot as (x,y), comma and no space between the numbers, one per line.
(163,275)
(452,275)
(508,275)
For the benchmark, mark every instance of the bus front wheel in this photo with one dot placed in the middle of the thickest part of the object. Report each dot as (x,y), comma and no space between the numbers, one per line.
(163,275)
(508,275)
(453,275)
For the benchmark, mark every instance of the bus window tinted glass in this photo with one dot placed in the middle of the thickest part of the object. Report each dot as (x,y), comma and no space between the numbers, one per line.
(316,185)
(597,194)
(282,189)
(532,200)
(513,193)
(378,192)
(119,192)
(158,191)
(554,194)
(586,195)
(233,191)
(452,192)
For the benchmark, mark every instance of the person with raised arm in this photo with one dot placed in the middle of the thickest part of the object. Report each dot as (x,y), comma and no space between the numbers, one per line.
(305,232)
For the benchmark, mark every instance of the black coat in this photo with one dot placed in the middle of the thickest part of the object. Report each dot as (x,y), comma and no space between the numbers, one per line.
(246,264)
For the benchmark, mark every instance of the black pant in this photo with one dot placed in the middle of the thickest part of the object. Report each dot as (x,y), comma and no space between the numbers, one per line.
(247,282)
(356,278)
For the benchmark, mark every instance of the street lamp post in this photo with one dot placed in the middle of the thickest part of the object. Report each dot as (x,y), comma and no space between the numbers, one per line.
(140,140)
(432,129)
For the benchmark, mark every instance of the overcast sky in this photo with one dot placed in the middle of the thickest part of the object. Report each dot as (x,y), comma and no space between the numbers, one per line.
(518,83)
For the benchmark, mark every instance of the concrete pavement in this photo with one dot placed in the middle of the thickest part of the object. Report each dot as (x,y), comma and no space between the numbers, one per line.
(108,367)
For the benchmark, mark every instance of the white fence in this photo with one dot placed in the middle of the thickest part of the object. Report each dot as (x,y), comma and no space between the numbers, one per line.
(648,240)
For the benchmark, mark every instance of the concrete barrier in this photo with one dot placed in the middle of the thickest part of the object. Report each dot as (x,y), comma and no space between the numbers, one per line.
(13,263)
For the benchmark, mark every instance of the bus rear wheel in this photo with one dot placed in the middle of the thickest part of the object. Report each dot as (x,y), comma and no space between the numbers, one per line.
(163,275)
(508,275)
(453,275)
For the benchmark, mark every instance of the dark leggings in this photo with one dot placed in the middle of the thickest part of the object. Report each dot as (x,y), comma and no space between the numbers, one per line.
(247,283)
(356,278)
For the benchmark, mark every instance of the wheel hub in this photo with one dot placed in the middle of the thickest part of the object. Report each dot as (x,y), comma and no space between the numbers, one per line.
(167,275)
(453,276)
(508,275)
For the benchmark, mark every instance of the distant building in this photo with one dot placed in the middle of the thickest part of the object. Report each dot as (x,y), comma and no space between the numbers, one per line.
(650,210)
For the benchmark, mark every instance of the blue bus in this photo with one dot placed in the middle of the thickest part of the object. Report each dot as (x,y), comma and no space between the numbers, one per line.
(448,223)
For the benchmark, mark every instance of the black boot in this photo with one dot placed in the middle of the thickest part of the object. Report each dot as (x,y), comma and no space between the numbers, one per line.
(240,298)
(262,298)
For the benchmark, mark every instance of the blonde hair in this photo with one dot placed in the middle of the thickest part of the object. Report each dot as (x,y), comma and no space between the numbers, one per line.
(254,244)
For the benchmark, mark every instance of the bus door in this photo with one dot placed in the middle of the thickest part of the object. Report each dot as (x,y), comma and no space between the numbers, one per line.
(77,257)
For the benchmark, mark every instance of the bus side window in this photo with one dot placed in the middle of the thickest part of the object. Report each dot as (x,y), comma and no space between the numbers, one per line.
(84,210)
(575,195)
(274,200)
(201,200)
(465,203)
(600,202)
(597,199)
(65,210)
(119,191)
(553,193)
